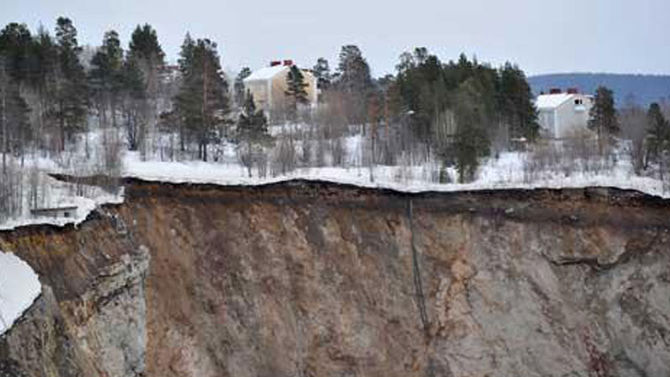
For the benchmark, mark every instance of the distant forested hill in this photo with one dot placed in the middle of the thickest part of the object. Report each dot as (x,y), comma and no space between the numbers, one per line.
(644,88)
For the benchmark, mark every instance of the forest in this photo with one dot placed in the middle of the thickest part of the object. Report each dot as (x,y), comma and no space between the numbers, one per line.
(84,108)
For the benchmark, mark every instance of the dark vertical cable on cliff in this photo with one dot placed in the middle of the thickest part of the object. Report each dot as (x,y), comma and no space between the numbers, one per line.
(416,270)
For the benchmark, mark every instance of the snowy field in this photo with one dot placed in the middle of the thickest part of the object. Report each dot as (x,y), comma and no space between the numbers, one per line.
(506,172)
(510,170)
(19,287)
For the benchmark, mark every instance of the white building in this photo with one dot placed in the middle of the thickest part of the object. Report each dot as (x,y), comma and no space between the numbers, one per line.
(268,86)
(563,115)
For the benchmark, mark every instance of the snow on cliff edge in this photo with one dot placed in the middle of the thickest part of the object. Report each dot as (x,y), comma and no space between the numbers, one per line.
(19,287)
(506,172)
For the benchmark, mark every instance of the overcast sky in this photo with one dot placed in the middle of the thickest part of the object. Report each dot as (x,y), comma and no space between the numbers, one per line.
(620,36)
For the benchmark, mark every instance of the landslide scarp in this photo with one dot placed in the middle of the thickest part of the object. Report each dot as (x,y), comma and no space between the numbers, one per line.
(314,278)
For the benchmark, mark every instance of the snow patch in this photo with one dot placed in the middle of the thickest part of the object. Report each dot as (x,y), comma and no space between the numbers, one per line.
(19,287)
(84,207)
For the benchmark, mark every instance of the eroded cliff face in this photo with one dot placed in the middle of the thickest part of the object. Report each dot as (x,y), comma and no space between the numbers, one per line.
(90,319)
(315,279)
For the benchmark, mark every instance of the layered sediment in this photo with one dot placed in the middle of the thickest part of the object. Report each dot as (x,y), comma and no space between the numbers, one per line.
(319,279)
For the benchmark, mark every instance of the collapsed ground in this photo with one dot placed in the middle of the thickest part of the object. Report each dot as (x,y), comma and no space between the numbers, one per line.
(316,278)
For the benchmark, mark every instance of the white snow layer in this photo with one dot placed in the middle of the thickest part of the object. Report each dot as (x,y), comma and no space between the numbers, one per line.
(19,287)
(505,172)
(84,207)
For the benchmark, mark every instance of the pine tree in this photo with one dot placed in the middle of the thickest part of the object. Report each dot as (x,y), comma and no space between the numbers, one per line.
(603,117)
(322,74)
(471,139)
(202,102)
(106,75)
(134,104)
(14,127)
(146,55)
(177,117)
(516,104)
(15,46)
(295,91)
(44,79)
(354,81)
(71,85)
(658,135)
(252,132)
(239,86)
(353,72)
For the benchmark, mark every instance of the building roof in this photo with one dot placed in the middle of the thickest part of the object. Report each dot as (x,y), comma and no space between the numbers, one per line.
(266,73)
(552,101)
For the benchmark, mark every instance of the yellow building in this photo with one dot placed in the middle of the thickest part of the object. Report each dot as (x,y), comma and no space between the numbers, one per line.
(268,86)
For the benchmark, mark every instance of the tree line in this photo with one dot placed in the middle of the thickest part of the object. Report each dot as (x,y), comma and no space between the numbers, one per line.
(455,111)
(459,110)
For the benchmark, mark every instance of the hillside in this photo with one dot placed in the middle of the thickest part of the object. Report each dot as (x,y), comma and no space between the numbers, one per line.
(644,88)
(320,279)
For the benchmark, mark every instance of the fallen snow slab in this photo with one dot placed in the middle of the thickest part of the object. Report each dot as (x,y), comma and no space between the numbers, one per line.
(84,207)
(19,287)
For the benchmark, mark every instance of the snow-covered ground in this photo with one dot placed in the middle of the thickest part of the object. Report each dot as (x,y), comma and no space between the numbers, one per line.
(509,170)
(505,172)
(84,205)
(19,287)
(56,194)
(38,190)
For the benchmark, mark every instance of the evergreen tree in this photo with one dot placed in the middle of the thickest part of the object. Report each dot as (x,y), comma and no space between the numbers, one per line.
(322,74)
(239,86)
(252,132)
(134,104)
(354,81)
(71,85)
(516,104)
(471,139)
(430,94)
(186,54)
(15,46)
(14,127)
(106,75)
(178,115)
(658,135)
(603,116)
(202,102)
(44,79)
(353,72)
(146,55)
(295,91)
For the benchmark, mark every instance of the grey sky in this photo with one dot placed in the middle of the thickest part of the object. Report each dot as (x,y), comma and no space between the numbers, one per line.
(620,36)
